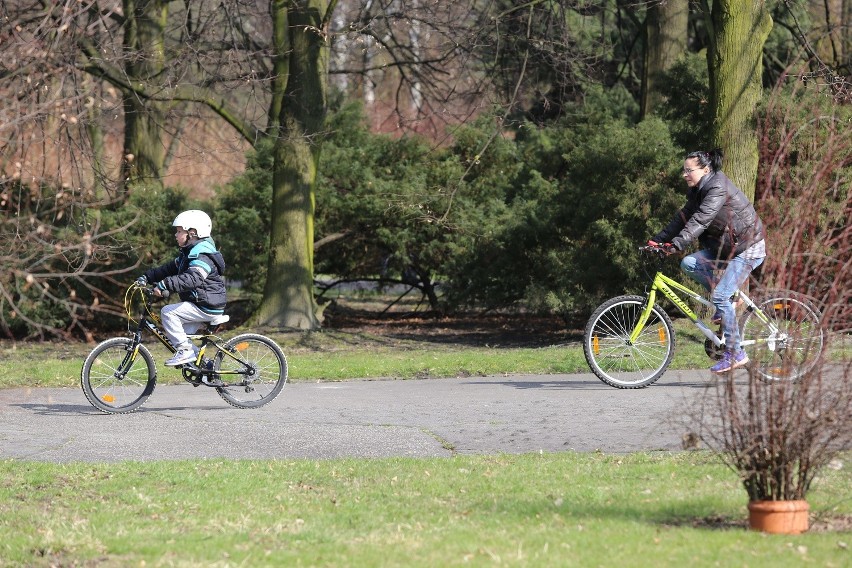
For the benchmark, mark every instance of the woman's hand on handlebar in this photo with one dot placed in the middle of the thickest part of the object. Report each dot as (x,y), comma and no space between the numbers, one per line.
(665,248)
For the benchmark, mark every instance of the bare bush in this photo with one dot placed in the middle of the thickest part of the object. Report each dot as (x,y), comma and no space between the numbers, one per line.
(805,199)
(60,263)
(778,436)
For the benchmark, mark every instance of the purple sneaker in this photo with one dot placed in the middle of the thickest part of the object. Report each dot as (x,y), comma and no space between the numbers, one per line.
(730,361)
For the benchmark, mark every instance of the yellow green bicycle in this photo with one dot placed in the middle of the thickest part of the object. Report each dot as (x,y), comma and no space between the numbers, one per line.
(629,341)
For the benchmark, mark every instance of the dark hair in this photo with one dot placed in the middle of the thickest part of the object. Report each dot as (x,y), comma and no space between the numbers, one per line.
(713,158)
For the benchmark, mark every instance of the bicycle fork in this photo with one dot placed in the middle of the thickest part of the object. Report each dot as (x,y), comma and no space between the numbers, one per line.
(129,357)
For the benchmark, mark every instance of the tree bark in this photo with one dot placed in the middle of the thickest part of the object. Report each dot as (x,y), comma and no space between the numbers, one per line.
(846,34)
(666,28)
(827,33)
(288,299)
(144,41)
(740,29)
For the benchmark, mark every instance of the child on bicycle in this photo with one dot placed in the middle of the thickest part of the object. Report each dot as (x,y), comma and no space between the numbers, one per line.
(731,235)
(196,275)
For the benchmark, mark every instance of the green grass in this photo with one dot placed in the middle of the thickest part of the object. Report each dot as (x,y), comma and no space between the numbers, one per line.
(562,509)
(334,356)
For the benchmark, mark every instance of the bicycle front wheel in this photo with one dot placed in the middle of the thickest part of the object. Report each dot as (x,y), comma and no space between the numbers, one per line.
(789,343)
(614,358)
(118,376)
(254,369)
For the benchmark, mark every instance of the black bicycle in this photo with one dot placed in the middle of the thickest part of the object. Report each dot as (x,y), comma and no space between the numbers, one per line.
(118,376)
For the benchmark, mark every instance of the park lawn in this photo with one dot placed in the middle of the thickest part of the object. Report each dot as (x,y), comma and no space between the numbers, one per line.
(335,356)
(563,509)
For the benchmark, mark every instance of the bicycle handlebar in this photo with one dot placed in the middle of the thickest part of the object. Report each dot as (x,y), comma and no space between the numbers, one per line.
(658,250)
(146,294)
(148,291)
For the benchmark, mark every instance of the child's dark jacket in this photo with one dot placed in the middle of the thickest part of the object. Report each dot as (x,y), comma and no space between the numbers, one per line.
(196,275)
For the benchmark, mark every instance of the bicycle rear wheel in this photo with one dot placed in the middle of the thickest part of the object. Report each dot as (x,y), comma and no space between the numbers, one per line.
(791,345)
(614,358)
(257,373)
(117,378)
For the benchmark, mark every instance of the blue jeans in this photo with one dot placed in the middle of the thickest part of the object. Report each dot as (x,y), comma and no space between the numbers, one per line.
(700,266)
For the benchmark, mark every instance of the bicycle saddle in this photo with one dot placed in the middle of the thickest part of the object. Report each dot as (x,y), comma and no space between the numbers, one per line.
(219,320)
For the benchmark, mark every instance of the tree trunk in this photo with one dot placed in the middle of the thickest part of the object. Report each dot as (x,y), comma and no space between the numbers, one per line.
(666,27)
(827,34)
(740,29)
(846,34)
(144,43)
(288,299)
(96,140)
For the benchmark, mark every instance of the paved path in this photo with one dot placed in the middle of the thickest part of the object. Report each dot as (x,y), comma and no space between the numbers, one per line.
(433,417)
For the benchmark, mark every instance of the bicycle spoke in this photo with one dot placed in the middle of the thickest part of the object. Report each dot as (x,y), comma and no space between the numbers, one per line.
(112,391)
(258,375)
(613,357)
(791,345)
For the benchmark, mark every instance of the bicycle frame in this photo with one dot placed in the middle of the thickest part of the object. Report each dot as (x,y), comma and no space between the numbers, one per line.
(669,288)
(148,321)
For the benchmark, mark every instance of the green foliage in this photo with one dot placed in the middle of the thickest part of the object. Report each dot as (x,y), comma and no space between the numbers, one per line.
(55,245)
(685,109)
(69,258)
(148,214)
(570,239)
(406,210)
(242,221)
(548,219)
(541,217)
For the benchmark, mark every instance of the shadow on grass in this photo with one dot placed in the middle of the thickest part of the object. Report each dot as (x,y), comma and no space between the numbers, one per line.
(819,523)
(711,522)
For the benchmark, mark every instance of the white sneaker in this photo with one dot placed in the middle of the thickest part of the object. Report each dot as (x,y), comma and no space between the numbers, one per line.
(183,356)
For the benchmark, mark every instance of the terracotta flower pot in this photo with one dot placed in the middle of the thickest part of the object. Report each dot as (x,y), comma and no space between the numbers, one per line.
(778,517)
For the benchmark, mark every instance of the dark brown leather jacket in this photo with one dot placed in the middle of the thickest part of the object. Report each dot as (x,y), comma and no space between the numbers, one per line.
(719,215)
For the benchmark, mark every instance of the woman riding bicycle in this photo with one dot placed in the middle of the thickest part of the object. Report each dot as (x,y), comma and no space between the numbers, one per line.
(731,235)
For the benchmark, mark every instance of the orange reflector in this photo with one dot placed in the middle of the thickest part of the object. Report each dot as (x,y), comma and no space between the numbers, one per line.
(596,345)
(241,346)
(108,398)
(662,333)
(780,306)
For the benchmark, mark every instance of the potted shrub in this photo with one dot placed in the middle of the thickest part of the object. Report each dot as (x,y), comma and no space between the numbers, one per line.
(778,436)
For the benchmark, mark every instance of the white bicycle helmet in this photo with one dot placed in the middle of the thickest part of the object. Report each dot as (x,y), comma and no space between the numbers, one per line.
(194,219)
